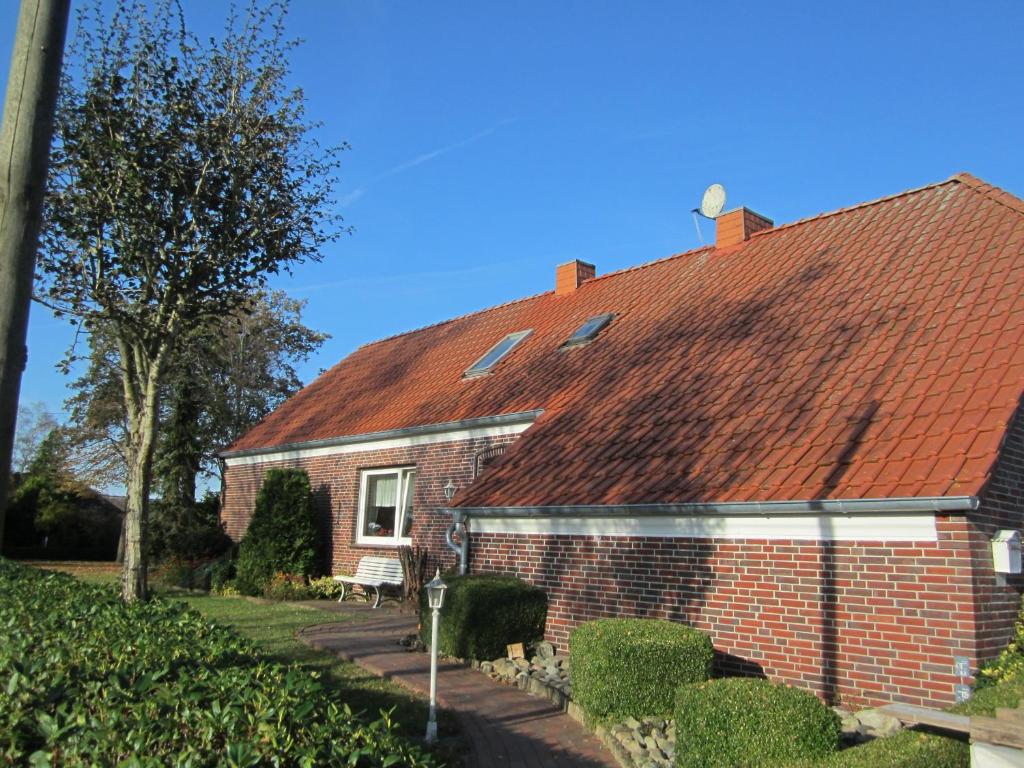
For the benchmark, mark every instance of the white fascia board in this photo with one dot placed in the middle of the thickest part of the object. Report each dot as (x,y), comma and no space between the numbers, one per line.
(492,426)
(905,527)
(880,519)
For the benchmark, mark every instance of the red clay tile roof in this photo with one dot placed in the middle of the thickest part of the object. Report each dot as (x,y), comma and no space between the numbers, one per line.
(877,351)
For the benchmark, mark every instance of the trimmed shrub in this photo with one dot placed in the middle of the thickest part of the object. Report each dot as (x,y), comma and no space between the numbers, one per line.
(227,589)
(286,586)
(173,572)
(325,588)
(1009,665)
(913,749)
(219,572)
(1008,693)
(631,667)
(738,721)
(484,613)
(88,680)
(907,749)
(282,535)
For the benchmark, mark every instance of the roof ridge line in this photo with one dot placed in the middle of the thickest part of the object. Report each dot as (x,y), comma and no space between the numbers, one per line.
(977,185)
(644,265)
(633,268)
(856,206)
(990,191)
(463,316)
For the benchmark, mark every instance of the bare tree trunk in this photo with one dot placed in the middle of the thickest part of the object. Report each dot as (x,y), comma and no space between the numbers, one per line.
(119,557)
(24,157)
(414,569)
(134,581)
(143,382)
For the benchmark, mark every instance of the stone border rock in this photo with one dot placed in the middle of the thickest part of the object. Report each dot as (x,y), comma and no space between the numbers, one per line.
(546,674)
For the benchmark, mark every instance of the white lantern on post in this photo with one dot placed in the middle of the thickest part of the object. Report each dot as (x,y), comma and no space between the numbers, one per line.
(435,599)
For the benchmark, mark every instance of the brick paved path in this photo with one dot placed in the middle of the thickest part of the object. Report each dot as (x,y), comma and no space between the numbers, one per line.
(505,727)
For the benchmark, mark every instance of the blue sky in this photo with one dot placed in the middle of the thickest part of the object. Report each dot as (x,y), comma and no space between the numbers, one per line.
(492,141)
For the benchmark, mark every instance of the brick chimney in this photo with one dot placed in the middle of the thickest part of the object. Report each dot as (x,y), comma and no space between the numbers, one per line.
(569,276)
(736,226)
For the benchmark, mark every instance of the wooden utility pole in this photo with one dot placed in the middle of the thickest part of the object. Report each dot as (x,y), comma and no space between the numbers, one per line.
(25,135)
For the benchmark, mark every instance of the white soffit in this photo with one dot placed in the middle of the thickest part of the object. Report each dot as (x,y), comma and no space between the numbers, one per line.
(865,527)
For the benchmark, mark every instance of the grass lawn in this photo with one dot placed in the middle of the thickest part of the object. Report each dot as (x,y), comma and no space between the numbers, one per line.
(84,570)
(273,626)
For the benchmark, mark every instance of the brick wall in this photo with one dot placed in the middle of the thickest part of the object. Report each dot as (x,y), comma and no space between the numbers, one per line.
(335,483)
(1002,506)
(857,622)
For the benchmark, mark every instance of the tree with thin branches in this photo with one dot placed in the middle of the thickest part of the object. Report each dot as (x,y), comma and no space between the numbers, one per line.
(183,175)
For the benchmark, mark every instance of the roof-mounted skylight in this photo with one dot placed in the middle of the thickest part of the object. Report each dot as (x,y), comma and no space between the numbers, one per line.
(494,355)
(589,330)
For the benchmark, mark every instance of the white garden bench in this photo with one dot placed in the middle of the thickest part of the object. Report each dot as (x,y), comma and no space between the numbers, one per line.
(374,572)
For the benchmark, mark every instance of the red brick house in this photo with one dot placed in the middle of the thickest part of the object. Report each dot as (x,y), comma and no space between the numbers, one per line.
(801,439)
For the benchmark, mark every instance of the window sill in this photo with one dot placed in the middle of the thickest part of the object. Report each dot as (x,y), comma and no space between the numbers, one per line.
(383,543)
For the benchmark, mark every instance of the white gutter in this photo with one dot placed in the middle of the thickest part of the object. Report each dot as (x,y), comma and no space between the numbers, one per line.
(897,505)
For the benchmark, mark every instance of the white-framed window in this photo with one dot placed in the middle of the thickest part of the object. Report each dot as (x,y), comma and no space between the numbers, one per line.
(385,506)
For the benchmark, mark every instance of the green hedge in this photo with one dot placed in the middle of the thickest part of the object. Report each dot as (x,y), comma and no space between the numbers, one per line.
(482,614)
(282,535)
(985,701)
(748,722)
(1010,663)
(86,680)
(914,749)
(907,749)
(631,667)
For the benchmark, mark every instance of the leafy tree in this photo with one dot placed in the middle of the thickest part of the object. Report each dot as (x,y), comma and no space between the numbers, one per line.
(187,531)
(44,494)
(229,375)
(50,504)
(183,174)
(35,422)
(225,377)
(281,537)
(97,426)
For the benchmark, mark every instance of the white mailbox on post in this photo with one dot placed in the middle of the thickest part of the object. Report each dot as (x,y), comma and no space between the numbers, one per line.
(1006,551)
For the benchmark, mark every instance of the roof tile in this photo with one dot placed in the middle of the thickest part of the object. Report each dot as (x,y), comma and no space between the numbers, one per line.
(876,350)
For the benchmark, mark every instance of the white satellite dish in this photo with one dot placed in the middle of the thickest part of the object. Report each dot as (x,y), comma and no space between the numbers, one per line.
(713,201)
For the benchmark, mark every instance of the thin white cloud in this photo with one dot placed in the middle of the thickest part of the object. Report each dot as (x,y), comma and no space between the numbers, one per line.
(346,200)
(350,198)
(418,278)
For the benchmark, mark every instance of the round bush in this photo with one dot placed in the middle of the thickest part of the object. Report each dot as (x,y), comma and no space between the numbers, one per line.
(484,613)
(631,667)
(746,722)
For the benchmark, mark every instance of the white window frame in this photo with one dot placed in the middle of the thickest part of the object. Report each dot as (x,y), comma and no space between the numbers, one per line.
(395,540)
